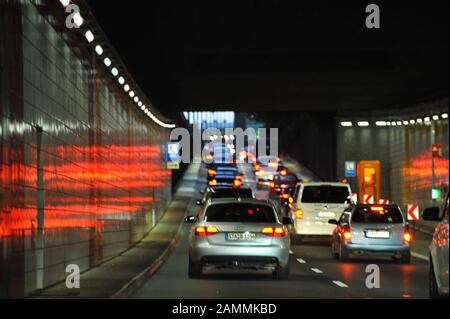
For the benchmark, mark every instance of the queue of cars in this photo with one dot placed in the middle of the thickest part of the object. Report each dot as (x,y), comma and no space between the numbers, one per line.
(234,230)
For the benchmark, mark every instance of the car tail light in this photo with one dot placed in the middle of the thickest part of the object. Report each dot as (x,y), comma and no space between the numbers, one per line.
(272,184)
(283,172)
(346,233)
(203,231)
(285,196)
(236,183)
(291,200)
(377,209)
(407,235)
(211,172)
(299,214)
(257,167)
(274,231)
(213,182)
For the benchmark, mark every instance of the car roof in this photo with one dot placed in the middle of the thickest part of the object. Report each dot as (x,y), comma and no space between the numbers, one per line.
(239,201)
(219,188)
(325,184)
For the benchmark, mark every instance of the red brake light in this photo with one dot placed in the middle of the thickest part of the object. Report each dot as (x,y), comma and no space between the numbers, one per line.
(274,231)
(284,172)
(213,182)
(211,172)
(257,167)
(237,183)
(272,184)
(407,235)
(285,196)
(206,231)
(377,209)
(346,233)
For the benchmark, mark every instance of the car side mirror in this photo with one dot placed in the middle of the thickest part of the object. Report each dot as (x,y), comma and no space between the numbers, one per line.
(333,222)
(199,202)
(431,214)
(190,219)
(287,221)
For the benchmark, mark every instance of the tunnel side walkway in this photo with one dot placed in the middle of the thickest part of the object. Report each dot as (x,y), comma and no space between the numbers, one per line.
(115,278)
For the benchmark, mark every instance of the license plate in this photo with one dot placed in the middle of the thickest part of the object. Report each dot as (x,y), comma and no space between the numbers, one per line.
(327,214)
(240,236)
(378,234)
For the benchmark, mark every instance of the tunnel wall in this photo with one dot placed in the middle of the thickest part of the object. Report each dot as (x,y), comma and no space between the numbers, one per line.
(104,180)
(405,155)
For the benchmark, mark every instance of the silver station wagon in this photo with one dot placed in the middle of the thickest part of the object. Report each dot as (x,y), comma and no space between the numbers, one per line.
(239,234)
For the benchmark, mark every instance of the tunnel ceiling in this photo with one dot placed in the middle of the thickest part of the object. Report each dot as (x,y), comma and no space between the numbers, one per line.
(280,55)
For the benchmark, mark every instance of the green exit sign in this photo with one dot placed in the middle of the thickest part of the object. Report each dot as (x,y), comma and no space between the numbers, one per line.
(435,194)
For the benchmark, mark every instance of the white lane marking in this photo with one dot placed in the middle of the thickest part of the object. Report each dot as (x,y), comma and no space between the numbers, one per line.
(317,271)
(419,256)
(301,261)
(291,252)
(340,284)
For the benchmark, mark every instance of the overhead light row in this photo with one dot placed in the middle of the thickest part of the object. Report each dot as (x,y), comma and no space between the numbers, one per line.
(425,120)
(89,35)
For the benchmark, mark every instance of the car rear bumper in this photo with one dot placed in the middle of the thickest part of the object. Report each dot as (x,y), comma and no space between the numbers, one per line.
(206,253)
(312,228)
(351,247)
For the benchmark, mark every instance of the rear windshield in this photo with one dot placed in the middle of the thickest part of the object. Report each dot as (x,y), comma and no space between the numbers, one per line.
(240,213)
(285,179)
(225,193)
(389,216)
(325,194)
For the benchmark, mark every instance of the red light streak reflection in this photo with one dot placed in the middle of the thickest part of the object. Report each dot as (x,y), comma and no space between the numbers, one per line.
(419,171)
(117,182)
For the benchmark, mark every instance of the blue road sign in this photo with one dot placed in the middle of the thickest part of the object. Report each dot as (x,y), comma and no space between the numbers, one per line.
(172,152)
(350,169)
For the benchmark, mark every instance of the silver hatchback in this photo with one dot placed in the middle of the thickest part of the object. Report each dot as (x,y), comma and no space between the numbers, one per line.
(239,234)
(375,229)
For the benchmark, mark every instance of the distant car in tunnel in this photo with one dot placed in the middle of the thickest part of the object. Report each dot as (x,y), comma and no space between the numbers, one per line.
(374,229)
(315,204)
(281,184)
(239,234)
(265,170)
(225,192)
(438,251)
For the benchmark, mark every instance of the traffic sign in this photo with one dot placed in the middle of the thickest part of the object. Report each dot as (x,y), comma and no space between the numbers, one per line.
(384,202)
(413,212)
(350,169)
(172,152)
(173,165)
(369,199)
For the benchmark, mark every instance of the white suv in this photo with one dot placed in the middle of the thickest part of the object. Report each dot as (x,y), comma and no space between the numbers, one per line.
(316,204)
(438,263)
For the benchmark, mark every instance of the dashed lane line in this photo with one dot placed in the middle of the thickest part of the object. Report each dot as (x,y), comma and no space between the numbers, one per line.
(340,284)
(317,271)
(301,261)
(420,256)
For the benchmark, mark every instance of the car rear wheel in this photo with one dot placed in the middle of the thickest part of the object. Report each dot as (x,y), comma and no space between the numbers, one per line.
(405,258)
(282,273)
(344,255)
(334,254)
(433,287)
(195,269)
